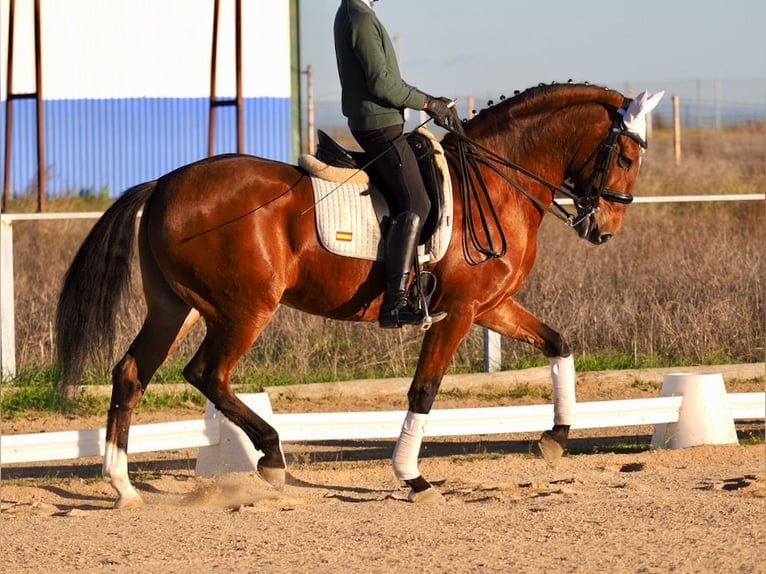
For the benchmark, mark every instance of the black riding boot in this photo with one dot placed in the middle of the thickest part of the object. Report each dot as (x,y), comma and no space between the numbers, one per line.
(401,243)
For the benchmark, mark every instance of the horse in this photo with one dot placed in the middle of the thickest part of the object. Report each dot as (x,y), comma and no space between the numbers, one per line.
(229,238)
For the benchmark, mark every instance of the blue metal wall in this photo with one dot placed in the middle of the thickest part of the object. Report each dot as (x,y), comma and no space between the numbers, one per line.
(108,145)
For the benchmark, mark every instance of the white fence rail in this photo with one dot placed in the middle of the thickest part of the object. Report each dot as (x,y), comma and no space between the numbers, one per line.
(7,296)
(308,427)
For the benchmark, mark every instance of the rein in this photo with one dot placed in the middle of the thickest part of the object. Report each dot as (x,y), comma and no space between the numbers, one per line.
(472,190)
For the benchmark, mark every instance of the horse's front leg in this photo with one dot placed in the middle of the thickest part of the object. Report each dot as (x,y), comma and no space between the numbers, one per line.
(513,320)
(439,346)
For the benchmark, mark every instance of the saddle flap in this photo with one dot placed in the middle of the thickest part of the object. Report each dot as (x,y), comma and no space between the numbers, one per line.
(424,146)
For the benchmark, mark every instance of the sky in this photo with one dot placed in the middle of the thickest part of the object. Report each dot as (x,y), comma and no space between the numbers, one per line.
(486,48)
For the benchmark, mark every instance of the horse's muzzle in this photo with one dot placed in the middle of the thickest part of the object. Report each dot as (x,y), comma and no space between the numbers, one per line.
(589,229)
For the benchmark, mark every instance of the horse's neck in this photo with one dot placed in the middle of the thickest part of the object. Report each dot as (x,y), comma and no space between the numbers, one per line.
(525,145)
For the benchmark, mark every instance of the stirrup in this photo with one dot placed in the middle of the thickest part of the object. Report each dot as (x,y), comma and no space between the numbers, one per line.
(422,289)
(419,316)
(429,320)
(392,318)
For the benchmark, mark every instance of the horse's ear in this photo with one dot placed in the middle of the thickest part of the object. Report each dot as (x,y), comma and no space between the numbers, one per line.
(634,117)
(643,104)
(651,101)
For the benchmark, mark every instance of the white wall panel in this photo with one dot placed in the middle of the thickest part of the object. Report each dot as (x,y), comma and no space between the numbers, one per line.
(148,48)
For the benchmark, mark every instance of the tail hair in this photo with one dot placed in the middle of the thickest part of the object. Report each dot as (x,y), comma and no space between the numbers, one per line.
(95,284)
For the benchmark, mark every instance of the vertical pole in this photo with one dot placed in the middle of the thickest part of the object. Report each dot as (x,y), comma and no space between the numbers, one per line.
(213,73)
(240,104)
(676,131)
(310,105)
(471,107)
(7,313)
(718,104)
(296,101)
(38,95)
(41,177)
(8,111)
(699,105)
(237,101)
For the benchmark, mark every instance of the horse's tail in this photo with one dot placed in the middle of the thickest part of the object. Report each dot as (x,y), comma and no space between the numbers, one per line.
(94,285)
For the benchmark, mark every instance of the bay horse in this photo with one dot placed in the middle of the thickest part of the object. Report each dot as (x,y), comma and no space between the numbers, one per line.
(229,238)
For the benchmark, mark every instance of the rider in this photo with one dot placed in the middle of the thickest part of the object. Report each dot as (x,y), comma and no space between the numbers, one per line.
(374,97)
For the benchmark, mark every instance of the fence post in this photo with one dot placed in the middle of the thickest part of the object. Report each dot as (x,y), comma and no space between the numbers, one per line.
(492,351)
(7,312)
(311,135)
(676,131)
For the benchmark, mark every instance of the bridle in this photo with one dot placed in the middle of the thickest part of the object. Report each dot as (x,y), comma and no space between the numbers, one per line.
(596,189)
(471,155)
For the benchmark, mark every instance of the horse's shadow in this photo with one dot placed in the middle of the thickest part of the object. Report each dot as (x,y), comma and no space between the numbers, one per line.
(341,492)
(78,500)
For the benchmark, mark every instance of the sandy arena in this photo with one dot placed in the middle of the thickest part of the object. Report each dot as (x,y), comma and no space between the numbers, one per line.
(609,506)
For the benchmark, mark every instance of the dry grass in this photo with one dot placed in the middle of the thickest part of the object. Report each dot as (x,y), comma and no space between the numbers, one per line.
(682,283)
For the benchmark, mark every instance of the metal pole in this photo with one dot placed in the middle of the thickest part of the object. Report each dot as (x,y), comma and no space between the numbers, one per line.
(8,111)
(240,106)
(39,105)
(237,101)
(213,72)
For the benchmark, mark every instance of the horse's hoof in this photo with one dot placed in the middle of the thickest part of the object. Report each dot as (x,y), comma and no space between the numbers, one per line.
(274,477)
(125,501)
(427,496)
(551,450)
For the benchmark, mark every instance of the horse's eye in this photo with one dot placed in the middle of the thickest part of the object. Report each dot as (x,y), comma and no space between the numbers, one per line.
(624,162)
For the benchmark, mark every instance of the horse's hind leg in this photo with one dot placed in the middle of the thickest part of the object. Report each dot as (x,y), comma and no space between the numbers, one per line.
(130,377)
(210,371)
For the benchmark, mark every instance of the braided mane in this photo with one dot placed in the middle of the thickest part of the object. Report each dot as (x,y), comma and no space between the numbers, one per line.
(548,97)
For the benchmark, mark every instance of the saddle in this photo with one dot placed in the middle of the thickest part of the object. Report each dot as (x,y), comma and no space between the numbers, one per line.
(333,154)
(351,211)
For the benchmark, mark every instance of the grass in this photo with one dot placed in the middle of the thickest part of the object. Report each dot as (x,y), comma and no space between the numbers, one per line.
(23,401)
(751,437)
(32,391)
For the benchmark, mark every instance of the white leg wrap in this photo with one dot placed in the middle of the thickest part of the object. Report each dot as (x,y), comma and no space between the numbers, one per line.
(405,460)
(563,377)
(115,472)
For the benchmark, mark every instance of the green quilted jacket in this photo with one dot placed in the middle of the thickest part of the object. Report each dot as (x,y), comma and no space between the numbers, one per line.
(373,92)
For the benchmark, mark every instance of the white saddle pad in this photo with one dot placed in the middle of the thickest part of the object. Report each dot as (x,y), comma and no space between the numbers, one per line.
(348,215)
